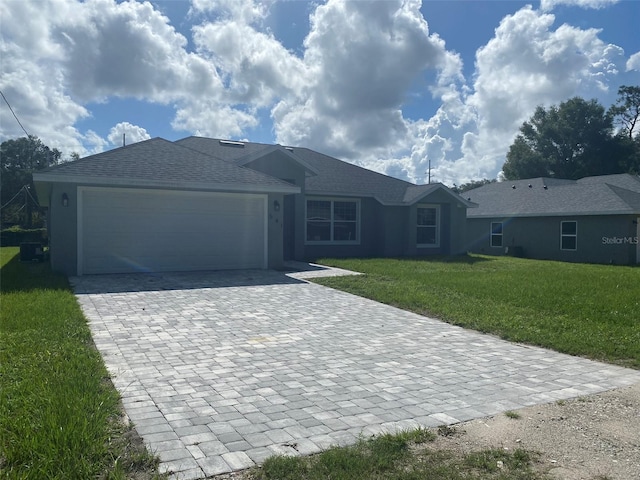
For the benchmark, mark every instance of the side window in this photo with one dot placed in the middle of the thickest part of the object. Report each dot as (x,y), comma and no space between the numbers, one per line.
(496,234)
(428,226)
(569,235)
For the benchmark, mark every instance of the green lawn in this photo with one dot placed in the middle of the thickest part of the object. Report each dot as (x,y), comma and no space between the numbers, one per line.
(405,456)
(59,413)
(587,310)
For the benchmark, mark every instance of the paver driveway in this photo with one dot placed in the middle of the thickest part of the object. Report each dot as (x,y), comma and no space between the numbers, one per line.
(219,371)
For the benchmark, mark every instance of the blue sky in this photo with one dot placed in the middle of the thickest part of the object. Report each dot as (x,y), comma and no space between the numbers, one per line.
(388,85)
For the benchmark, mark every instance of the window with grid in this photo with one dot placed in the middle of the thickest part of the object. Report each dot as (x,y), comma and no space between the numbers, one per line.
(332,221)
(427,227)
(569,235)
(496,234)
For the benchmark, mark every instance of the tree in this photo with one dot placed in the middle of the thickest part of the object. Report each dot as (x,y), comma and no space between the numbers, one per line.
(626,111)
(471,185)
(18,160)
(572,140)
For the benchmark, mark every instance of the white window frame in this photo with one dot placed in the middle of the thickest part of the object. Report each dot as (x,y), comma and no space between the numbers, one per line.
(332,221)
(568,235)
(437,226)
(493,234)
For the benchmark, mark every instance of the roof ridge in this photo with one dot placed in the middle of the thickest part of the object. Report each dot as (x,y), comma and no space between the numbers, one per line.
(354,165)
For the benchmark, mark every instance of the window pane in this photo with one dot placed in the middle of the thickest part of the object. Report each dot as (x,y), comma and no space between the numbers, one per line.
(496,227)
(344,231)
(426,216)
(344,211)
(318,231)
(426,235)
(569,228)
(569,243)
(496,240)
(318,210)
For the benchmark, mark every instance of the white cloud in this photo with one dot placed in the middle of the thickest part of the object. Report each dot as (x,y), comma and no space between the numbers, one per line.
(244,11)
(527,63)
(133,134)
(257,66)
(634,62)
(344,92)
(361,59)
(59,55)
(596,4)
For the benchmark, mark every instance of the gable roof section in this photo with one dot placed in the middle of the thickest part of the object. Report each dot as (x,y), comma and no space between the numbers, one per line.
(239,153)
(213,164)
(330,176)
(161,163)
(600,195)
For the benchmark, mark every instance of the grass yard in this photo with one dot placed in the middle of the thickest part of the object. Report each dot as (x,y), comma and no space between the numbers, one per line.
(59,413)
(405,456)
(579,309)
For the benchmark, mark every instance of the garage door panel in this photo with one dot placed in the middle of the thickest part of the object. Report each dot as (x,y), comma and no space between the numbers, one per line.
(126,231)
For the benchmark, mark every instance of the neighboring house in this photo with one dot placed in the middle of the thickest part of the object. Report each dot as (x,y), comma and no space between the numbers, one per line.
(208,204)
(594,219)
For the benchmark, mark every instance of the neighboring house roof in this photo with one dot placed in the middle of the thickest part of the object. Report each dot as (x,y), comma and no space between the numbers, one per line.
(330,176)
(601,195)
(161,163)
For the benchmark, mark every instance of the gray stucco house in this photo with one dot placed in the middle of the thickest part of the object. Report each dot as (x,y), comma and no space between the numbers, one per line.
(210,204)
(591,220)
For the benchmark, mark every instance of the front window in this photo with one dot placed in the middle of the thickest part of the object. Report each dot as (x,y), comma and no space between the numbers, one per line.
(569,235)
(496,234)
(428,226)
(333,221)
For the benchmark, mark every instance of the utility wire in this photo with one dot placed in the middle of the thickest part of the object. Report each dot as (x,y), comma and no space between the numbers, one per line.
(14,113)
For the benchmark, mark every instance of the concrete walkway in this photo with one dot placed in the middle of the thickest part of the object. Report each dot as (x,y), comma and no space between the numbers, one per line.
(220,370)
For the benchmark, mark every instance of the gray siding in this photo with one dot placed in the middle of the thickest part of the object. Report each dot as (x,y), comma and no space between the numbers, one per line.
(390,231)
(280,166)
(63,231)
(539,237)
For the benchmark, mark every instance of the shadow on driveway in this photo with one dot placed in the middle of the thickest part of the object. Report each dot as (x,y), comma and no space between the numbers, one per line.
(151,282)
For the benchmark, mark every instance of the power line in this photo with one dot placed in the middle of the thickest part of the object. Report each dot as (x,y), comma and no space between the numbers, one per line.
(14,114)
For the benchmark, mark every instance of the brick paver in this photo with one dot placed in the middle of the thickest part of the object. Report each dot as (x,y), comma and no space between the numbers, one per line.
(220,370)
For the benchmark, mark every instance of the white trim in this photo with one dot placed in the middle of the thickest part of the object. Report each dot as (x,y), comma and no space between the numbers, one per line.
(438,225)
(553,214)
(454,196)
(80,209)
(332,200)
(164,184)
(562,235)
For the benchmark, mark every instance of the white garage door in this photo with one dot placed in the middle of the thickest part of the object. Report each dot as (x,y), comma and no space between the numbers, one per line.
(126,230)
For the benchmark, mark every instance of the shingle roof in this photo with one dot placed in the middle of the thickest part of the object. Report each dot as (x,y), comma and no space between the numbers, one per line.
(159,161)
(215,163)
(330,175)
(601,195)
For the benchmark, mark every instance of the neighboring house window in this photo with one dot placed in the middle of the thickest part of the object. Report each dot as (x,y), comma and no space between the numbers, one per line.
(496,234)
(335,221)
(569,235)
(428,226)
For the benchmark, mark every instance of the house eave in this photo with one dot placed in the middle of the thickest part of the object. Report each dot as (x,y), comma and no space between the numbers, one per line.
(555,214)
(171,185)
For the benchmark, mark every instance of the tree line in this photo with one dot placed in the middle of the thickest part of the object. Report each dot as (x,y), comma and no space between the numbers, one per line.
(19,158)
(575,139)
